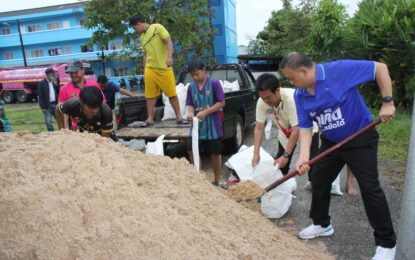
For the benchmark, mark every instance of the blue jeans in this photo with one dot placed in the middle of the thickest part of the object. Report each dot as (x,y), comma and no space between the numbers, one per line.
(48,116)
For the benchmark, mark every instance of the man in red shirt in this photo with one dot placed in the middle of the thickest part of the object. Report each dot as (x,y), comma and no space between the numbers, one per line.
(73,88)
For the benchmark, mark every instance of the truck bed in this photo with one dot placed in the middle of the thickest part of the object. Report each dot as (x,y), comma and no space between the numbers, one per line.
(169,128)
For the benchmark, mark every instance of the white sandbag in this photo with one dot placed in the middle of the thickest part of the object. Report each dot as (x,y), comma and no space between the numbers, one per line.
(335,187)
(227,164)
(265,173)
(230,86)
(241,162)
(181,91)
(275,203)
(195,143)
(134,144)
(156,147)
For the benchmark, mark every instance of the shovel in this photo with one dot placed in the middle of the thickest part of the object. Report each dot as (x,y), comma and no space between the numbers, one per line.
(323,154)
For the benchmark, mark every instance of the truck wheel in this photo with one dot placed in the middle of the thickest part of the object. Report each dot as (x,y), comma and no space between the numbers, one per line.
(8,97)
(21,96)
(233,144)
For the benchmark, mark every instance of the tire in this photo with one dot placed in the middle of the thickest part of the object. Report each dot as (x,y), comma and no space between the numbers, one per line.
(233,144)
(21,96)
(8,97)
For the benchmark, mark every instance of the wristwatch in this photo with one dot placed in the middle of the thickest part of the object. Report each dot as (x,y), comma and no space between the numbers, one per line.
(286,154)
(387,99)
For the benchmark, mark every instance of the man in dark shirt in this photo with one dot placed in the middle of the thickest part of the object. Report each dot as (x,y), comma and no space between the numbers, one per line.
(109,89)
(48,91)
(89,111)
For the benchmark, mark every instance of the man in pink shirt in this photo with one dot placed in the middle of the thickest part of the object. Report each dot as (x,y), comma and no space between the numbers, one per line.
(72,89)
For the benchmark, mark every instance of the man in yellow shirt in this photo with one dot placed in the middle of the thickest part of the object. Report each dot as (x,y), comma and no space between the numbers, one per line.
(158,61)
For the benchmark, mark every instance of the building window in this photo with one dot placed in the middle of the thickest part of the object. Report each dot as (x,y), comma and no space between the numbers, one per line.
(5,31)
(54,26)
(81,21)
(68,50)
(36,53)
(116,45)
(85,48)
(33,28)
(55,51)
(9,55)
(218,29)
(122,71)
(66,24)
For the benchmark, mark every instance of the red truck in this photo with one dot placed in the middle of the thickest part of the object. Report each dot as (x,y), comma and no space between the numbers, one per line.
(20,84)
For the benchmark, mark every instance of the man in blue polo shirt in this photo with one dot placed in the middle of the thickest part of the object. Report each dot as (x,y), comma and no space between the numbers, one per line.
(328,94)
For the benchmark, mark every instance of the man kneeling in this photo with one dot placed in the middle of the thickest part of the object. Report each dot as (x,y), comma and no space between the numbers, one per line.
(89,111)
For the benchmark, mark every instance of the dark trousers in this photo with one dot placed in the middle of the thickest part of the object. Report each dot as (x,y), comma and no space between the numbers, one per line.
(361,157)
(313,153)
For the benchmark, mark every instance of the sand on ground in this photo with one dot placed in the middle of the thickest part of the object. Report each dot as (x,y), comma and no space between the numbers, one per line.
(67,195)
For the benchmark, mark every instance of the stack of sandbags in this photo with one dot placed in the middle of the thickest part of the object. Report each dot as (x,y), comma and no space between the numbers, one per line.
(230,86)
(181,91)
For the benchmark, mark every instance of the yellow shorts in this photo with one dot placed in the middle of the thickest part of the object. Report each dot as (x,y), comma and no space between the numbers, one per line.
(156,79)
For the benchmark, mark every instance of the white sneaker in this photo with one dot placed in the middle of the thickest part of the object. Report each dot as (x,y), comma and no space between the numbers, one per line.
(314,231)
(383,253)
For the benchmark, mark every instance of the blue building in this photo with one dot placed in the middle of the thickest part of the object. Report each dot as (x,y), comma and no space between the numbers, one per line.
(55,34)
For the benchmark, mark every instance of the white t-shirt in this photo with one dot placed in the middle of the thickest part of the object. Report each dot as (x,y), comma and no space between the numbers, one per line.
(285,114)
(52,97)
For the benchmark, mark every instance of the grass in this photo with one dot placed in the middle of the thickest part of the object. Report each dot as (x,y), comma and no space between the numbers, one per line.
(26,117)
(394,138)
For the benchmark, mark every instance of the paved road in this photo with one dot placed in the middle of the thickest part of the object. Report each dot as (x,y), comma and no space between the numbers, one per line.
(353,237)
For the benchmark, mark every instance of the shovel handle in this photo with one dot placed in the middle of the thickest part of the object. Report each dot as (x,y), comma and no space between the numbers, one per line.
(324,154)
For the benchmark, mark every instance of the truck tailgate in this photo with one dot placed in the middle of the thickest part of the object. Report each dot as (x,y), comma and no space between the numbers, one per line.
(167,128)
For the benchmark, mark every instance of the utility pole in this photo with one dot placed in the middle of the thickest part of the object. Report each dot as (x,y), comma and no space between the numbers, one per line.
(21,42)
(102,58)
(406,236)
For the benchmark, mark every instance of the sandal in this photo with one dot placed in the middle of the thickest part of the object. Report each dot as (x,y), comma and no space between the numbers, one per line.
(146,124)
(140,124)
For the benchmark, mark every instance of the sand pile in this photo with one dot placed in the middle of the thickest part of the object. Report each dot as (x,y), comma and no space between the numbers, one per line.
(245,190)
(67,195)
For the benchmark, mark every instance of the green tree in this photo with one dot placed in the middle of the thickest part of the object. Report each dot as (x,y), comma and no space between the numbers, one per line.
(385,31)
(328,23)
(287,30)
(188,22)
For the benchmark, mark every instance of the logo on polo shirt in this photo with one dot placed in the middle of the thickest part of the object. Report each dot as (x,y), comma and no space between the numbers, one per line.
(330,119)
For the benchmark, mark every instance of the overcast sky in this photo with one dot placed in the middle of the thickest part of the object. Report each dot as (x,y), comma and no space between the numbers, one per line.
(251,15)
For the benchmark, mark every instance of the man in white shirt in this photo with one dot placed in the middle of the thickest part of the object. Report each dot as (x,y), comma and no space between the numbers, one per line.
(277,105)
(48,91)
